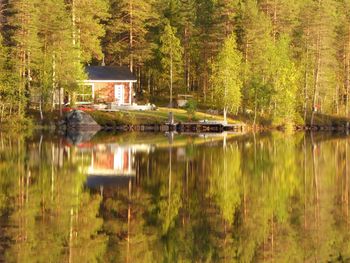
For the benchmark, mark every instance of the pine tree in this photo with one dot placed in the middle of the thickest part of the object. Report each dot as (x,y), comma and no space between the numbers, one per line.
(206,44)
(343,57)
(26,49)
(60,68)
(254,38)
(4,89)
(283,15)
(126,40)
(316,33)
(225,18)
(189,30)
(87,18)
(171,51)
(226,77)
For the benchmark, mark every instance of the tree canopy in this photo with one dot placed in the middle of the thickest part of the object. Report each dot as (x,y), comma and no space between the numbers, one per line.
(299,49)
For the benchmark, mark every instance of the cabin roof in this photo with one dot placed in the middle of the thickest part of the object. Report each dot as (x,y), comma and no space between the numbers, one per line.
(101,73)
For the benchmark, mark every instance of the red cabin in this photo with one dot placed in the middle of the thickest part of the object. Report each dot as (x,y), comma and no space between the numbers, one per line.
(107,85)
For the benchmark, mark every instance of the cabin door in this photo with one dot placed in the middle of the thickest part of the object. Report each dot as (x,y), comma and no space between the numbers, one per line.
(119,94)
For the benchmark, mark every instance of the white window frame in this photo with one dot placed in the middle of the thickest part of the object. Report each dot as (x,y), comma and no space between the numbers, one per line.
(92,93)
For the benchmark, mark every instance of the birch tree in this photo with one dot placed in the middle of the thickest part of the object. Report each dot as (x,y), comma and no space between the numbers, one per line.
(285,83)
(226,77)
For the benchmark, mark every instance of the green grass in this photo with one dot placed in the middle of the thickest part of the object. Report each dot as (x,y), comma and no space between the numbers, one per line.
(150,117)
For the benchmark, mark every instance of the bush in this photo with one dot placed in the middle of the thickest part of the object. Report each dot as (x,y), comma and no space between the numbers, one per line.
(191,107)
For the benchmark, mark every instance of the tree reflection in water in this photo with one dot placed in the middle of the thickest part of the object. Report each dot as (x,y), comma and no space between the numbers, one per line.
(147,198)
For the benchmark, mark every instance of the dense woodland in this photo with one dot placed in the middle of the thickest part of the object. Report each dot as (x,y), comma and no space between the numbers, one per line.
(277,59)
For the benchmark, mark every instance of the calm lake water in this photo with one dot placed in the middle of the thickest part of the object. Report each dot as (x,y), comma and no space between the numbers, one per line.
(132,197)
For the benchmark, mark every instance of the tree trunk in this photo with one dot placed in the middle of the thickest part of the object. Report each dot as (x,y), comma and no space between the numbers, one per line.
(274,21)
(131,36)
(60,101)
(171,81)
(139,79)
(337,100)
(2,112)
(317,73)
(255,107)
(149,83)
(347,77)
(225,115)
(53,81)
(41,109)
(73,23)
(187,58)
(29,76)
(306,80)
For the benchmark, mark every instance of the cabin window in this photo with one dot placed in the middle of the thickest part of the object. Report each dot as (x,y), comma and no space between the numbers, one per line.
(85,94)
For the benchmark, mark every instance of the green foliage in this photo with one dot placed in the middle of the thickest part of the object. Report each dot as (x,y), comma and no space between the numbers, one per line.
(224,184)
(127,39)
(191,107)
(171,51)
(170,48)
(88,27)
(297,48)
(226,77)
(285,83)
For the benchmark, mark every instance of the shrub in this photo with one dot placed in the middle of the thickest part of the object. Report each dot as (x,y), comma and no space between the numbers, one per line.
(191,107)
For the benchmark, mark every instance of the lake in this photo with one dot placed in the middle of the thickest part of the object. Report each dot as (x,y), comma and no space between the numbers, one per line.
(143,197)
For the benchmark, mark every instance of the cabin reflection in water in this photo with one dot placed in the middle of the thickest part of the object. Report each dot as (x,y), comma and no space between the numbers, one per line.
(113,164)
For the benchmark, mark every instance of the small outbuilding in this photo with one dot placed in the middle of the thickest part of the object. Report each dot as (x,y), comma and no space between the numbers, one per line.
(107,84)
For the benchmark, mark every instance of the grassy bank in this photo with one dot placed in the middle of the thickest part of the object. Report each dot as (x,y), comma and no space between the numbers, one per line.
(160,116)
(150,117)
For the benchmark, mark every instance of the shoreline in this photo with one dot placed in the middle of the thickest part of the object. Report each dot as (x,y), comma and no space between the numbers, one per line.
(157,121)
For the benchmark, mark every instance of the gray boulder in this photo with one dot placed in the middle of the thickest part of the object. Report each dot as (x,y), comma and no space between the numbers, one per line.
(74,136)
(80,120)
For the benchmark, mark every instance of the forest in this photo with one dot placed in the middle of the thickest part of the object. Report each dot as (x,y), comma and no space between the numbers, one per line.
(268,59)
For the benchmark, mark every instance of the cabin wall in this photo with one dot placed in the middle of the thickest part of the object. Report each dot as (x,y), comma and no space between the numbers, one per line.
(104,91)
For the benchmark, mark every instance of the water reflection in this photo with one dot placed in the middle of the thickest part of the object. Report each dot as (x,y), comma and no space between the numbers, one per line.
(174,198)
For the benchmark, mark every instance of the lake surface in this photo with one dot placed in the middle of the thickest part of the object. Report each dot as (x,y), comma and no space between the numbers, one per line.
(132,197)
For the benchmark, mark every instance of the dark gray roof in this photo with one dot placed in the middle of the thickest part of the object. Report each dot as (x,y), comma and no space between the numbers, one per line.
(109,73)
